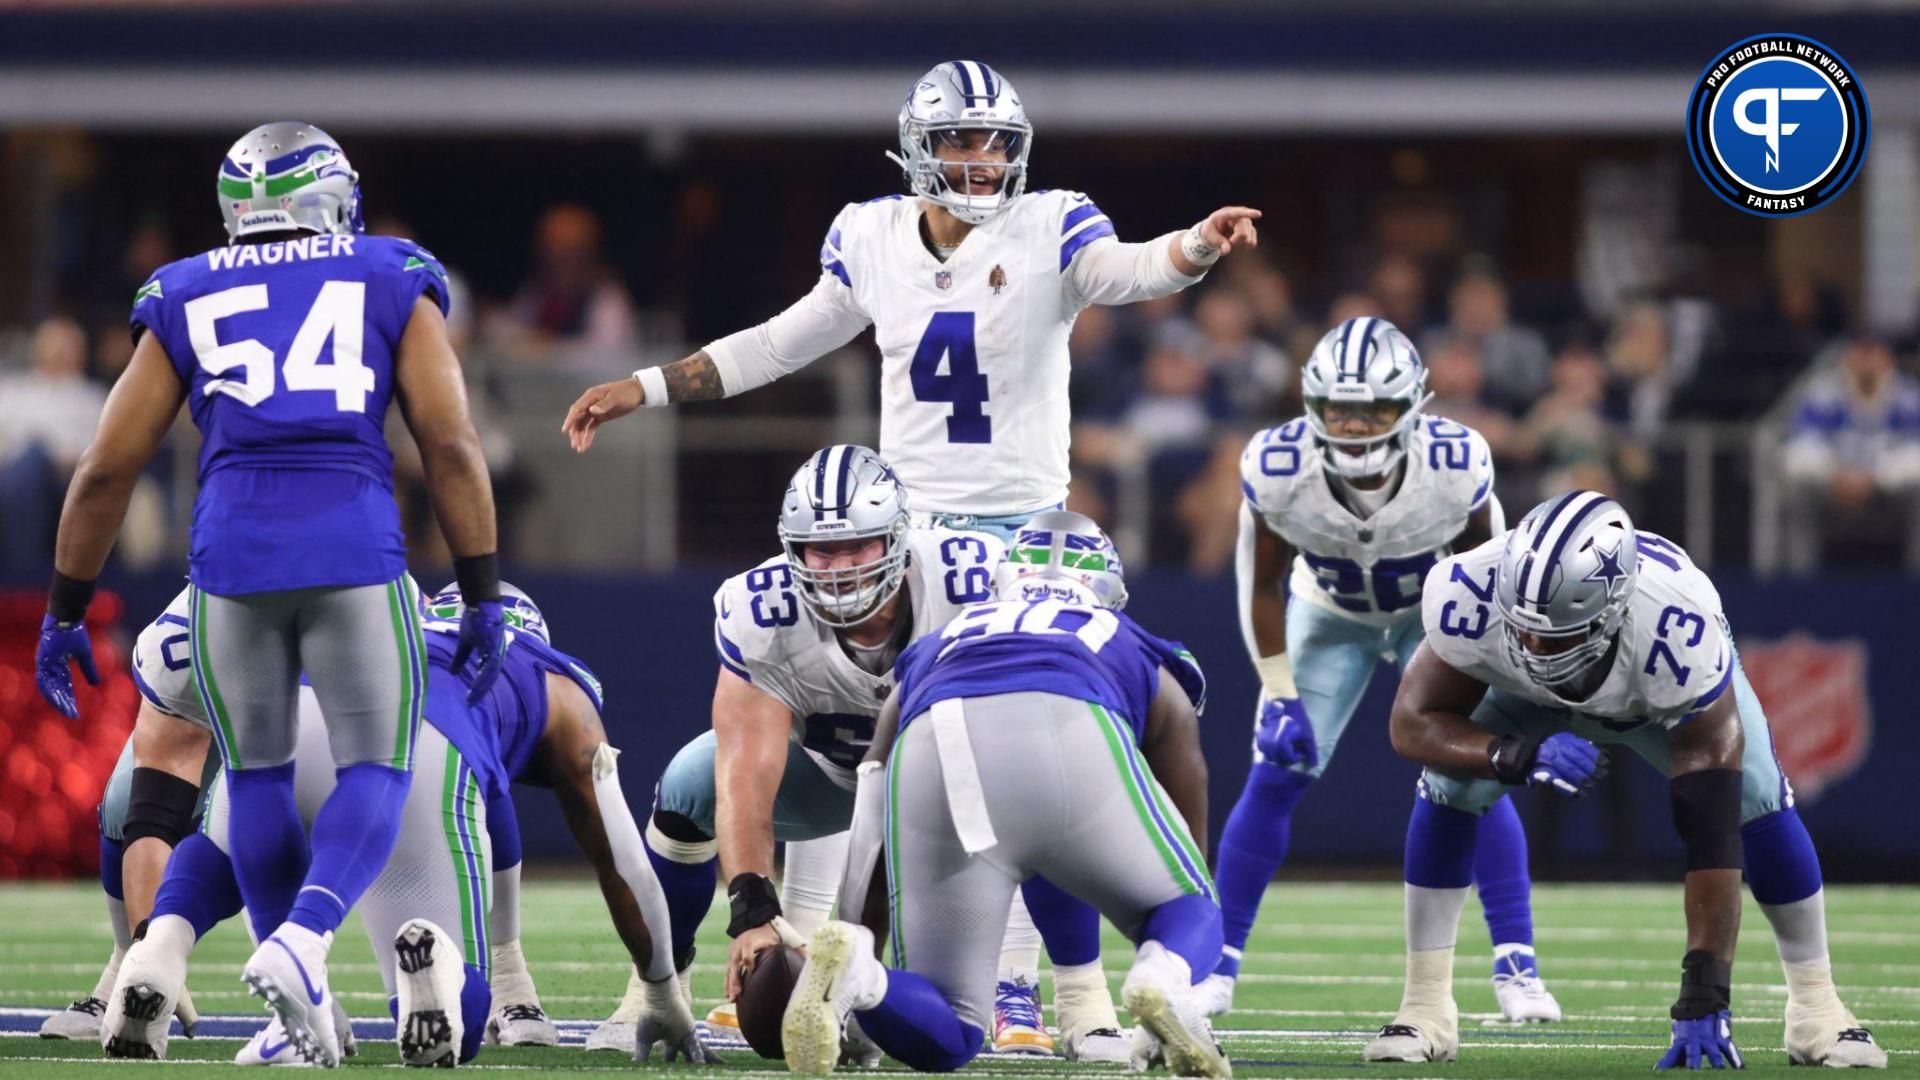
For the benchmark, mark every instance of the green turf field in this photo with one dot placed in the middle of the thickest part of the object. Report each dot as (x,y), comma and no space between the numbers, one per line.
(1322,971)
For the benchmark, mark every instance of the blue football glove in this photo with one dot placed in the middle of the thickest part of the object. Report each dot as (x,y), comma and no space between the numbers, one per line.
(483,636)
(1709,1037)
(59,643)
(1283,735)
(1568,764)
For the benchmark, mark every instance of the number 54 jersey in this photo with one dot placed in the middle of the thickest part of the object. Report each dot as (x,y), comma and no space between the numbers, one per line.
(1369,570)
(1675,656)
(287,353)
(766,634)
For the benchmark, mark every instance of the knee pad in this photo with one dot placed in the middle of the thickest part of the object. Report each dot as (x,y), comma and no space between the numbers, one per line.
(160,805)
(676,838)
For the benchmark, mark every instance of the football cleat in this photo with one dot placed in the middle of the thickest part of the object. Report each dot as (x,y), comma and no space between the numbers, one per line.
(1096,1046)
(80,1020)
(521,1025)
(429,1027)
(1173,1026)
(289,972)
(724,1015)
(1017,1027)
(1830,1037)
(153,976)
(1416,1037)
(1216,994)
(1523,997)
(841,975)
(269,1046)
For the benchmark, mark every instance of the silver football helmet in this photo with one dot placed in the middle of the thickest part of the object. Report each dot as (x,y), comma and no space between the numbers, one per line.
(846,493)
(1366,363)
(288,175)
(520,610)
(1062,554)
(954,98)
(1568,572)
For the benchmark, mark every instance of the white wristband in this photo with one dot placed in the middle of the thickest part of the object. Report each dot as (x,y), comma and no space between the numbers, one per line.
(1194,246)
(653,386)
(1276,676)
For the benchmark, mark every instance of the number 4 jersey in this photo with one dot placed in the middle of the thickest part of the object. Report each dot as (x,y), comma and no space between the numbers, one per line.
(1367,569)
(1675,656)
(287,352)
(766,634)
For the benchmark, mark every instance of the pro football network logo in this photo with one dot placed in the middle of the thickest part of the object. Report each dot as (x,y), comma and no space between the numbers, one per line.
(1778,125)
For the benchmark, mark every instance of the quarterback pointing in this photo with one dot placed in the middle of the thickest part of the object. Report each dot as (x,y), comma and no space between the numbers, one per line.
(971,284)
(1575,629)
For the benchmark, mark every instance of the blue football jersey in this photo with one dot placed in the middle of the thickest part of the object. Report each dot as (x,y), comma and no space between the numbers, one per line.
(1050,646)
(498,735)
(287,351)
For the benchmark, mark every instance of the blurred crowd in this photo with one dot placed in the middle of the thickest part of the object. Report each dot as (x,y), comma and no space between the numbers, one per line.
(1165,393)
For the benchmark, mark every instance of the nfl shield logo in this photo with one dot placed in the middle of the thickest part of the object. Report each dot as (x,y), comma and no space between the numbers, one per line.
(943,279)
(1815,696)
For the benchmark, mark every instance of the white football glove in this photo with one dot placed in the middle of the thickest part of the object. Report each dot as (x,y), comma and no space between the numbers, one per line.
(665,1020)
(1146,1051)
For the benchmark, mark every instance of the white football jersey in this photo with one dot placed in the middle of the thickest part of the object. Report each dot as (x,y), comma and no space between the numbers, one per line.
(1370,569)
(163,664)
(1675,657)
(765,633)
(973,370)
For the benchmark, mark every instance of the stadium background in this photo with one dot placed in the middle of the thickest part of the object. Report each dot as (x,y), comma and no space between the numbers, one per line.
(614,187)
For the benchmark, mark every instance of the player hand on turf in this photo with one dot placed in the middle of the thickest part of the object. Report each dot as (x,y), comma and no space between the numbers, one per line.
(1230,227)
(59,643)
(608,401)
(483,635)
(741,954)
(1567,763)
(1709,1037)
(666,1022)
(1283,735)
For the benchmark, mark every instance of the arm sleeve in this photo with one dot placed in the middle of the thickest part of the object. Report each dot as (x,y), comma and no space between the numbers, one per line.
(822,321)
(1107,271)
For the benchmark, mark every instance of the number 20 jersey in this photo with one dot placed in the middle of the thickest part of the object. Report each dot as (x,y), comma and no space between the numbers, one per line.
(1370,569)
(973,350)
(766,634)
(1675,656)
(287,352)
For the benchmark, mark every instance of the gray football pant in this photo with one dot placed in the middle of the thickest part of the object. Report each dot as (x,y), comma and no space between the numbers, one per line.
(1035,784)
(440,866)
(361,648)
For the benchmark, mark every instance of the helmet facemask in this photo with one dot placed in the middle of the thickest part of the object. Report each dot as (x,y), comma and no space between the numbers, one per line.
(841,595)
(1379,454)
(1563,669)
(942,161)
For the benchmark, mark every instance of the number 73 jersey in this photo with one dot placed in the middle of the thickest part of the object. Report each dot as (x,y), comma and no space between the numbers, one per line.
(1675,656)
(1369,570)
(766,634)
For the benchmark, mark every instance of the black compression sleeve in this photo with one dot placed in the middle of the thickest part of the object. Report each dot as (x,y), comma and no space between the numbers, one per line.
(1706,811)
(161,805)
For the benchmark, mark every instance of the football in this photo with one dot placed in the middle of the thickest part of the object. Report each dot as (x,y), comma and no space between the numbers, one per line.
(763,998)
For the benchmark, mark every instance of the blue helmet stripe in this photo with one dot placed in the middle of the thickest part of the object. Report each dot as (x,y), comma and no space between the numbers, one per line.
(843,487)
(992,85)
(820,483)
(1366,347)
(1346,339)
(1594,501)
(966,80)
(1539,535)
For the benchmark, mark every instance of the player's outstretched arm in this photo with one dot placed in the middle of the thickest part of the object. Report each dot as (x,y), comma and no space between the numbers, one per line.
(694,378)
(1217,235)
(1431,724)
(433,398)
(1171,745)
(750,729)
(1705,781)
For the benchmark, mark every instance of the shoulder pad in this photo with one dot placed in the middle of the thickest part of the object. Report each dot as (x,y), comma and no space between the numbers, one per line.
(751,612)
(833,257)
(1457,608)
(1081,222)
(1186,671)
(1271,465)
(1459,460)
(163,666)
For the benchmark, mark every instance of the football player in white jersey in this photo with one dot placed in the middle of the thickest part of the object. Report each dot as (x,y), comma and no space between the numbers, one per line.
(1346,510)
(806,644)
(971,284)
(1575,629)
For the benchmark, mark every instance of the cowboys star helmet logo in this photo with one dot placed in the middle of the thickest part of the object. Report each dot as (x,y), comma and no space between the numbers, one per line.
(1609,570)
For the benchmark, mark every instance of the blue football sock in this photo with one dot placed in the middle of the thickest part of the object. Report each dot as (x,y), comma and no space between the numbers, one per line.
(915,1025)
(1188,927)
(111,853)
(476,1001)
(353,835)
(1252,847)
(689,890)
(269,852)
(1500,875)
(1782,867)
(1440,843)
(1068,925)
(503,831)
(199,886)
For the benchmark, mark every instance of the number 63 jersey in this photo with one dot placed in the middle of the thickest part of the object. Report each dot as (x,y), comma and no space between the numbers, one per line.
(1368,570)
(766,634)
(287,353)
(1675,656)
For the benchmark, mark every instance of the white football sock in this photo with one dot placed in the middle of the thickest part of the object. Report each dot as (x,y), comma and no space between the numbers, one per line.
(1429,988)
(503,922)
(122,933)
(1081,998)
(1800,928)
(104,987)
(810,881)
(1433,917)
(1020,947)
(512,983)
